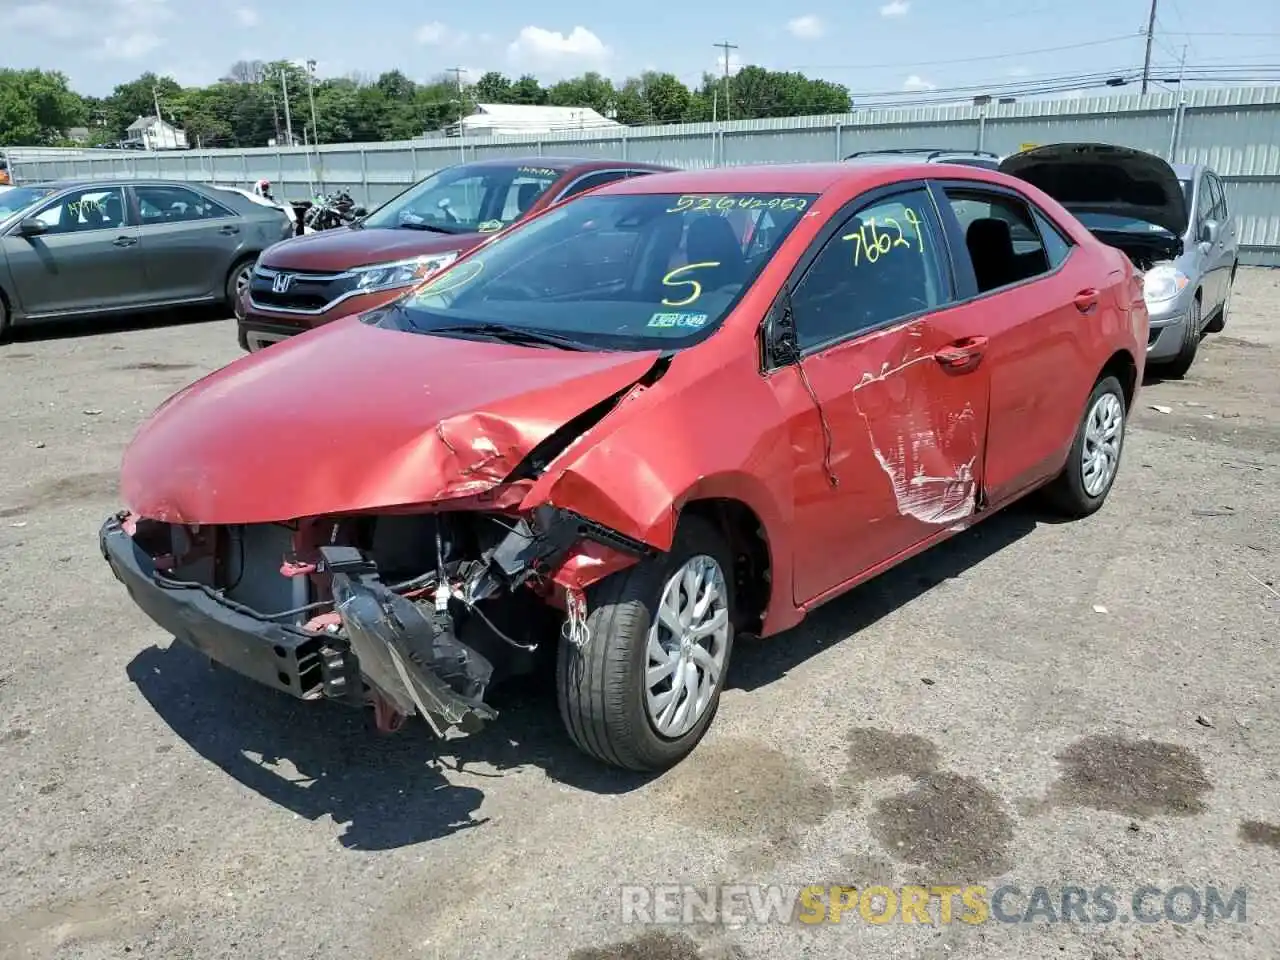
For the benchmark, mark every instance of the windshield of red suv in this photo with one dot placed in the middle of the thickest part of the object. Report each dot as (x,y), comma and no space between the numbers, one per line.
(609,272)
(468,198)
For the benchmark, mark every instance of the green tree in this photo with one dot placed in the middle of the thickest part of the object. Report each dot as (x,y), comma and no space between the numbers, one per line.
(589,90)
(528,90)
(493,87)
(36,107)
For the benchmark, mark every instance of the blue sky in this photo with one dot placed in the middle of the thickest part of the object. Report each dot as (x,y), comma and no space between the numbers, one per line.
(872,46)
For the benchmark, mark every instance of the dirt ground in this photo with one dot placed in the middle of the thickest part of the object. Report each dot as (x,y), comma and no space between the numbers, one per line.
(1090,704)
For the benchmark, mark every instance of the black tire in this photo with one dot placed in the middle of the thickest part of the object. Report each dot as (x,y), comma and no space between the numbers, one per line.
(1219,321)
(1067,494)
(601,688)
(231,294)
(1177,368)
(5,326)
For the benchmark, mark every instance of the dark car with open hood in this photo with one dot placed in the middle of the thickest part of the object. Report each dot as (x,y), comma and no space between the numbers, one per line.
(679,409)
(314,279)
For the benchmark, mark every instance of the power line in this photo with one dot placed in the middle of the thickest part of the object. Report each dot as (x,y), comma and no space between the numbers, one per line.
(934,63)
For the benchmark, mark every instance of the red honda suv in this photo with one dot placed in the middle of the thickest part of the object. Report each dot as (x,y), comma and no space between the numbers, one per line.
(308,281)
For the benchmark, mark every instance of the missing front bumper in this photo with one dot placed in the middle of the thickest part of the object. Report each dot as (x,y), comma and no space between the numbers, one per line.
(414,662)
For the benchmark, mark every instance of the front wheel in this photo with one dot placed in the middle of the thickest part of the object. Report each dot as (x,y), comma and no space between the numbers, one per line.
(1083,485)
(1177,368)
(644,686)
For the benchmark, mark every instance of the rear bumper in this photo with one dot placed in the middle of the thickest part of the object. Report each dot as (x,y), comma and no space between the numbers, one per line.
(277,655)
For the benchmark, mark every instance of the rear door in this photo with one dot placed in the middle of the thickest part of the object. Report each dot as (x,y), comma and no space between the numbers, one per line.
(887,410)
(1041,304)
(86,260)
(188,241)
(1223,253)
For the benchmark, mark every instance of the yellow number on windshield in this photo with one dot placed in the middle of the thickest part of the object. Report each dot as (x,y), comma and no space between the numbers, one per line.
(667,281)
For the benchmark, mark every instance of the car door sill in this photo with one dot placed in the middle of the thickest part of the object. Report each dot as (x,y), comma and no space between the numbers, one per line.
(137,308)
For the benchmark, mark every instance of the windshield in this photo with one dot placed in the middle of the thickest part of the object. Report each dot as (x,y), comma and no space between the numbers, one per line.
(612,272)
(19,198)
(468,198)
(1117,224)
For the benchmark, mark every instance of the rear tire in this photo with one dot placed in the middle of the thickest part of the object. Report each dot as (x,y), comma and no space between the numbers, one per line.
(1177,368)
(606,690)
(237,280)
(4,320)
(1219,322)
(1090,472)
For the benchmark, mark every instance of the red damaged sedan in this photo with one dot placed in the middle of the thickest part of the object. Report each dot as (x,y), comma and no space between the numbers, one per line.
(678,409)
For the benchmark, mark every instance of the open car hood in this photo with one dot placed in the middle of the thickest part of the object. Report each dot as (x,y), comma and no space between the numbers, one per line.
(1102,178)
(352,417)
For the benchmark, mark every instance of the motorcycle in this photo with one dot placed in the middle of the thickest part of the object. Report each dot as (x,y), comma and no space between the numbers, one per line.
(328,212)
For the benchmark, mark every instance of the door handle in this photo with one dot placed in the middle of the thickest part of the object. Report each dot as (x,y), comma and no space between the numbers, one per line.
(124,241)
(228,230)
(963,355)
(1086,301)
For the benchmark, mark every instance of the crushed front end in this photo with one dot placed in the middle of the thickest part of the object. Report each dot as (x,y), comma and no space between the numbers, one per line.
(413,613)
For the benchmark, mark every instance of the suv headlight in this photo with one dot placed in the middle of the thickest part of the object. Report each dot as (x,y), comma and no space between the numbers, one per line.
(1163,283)
(401,273)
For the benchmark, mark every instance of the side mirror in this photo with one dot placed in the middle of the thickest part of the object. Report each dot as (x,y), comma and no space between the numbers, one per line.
(1209,232)
(31,227)
(780,344)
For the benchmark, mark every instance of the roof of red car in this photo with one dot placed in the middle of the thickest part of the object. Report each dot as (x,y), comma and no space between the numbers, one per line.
(781,177)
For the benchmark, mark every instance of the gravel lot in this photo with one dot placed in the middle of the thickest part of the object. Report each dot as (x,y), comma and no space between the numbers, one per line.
(1032,703)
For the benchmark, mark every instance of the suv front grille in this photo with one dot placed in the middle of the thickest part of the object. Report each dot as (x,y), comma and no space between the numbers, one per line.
(304,292)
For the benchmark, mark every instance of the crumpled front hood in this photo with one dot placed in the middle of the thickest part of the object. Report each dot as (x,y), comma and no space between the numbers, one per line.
(348,247)
(353,417)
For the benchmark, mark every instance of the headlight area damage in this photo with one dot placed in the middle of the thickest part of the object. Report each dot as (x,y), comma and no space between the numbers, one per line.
(415,610)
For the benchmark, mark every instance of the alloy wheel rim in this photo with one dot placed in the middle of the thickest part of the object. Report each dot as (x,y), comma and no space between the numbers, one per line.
(1103,436)
(242,283)
(687,645)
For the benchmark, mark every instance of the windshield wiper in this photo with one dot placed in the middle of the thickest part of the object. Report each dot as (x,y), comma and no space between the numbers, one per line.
(506,334)
(427,226)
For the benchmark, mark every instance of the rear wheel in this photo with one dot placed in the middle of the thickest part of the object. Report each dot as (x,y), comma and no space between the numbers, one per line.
(237,282)
(1177,368)
(1082,486)
(4,319)
(645,685)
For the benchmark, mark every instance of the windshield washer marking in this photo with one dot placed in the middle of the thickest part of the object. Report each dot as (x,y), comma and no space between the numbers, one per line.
(695,201)
(667,281)
(489,226)
(539,171)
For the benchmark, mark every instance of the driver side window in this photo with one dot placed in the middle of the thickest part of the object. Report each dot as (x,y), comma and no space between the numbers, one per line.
(881,265)
(92,208)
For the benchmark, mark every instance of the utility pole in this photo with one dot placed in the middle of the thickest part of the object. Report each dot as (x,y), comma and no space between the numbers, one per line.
(726,46)
(311,92)
(155,98)
(462,143)
(1151,30)
(288,117)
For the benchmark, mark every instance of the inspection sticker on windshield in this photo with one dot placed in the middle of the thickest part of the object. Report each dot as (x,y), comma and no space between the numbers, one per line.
(688,321)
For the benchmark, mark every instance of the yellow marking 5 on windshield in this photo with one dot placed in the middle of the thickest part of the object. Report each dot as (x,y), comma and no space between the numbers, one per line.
(698,201)
(667,281)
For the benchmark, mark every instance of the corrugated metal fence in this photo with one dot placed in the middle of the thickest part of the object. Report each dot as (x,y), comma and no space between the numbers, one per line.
(1234,130)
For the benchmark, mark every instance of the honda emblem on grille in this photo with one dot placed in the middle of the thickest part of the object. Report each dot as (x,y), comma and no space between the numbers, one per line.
(281,282)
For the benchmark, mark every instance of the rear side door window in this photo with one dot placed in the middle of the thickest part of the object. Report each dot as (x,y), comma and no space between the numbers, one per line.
(593,180)
(1001,237)
(166,204)
(880,266)
(1056,247)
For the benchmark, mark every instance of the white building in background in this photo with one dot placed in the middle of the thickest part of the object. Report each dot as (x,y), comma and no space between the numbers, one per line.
(152,133)
(510,119)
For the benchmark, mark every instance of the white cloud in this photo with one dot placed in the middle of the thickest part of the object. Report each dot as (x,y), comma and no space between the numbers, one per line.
(541,49)
(123,29)
(1019,72)
(808,27)
(247,16)
(437,34)
(895,8)
(735,64)
(917,82)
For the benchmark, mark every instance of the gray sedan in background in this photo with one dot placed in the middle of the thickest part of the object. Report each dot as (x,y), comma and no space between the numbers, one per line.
(72,249)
